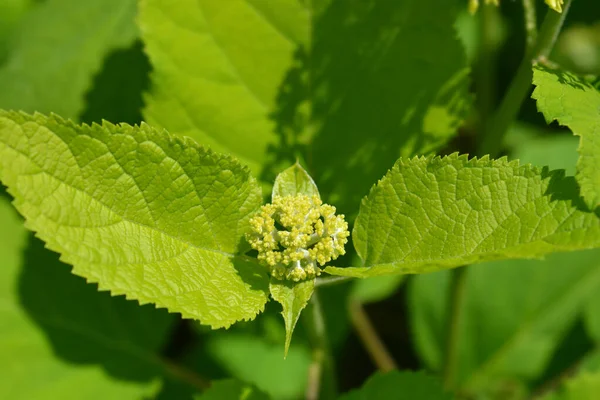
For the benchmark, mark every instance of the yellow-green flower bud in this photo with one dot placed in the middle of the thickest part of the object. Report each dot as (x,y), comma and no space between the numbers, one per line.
(296,235)
(556,5)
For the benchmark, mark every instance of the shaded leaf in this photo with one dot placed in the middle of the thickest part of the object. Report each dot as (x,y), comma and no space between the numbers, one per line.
(530,144)
(253,359)
(514,316)
(231,389)
(141,213)
(574,102)
(399,385)
(56,50)
(60,338)
(116,93)
(433,213)
(377,288)
(218,67)
(270,82)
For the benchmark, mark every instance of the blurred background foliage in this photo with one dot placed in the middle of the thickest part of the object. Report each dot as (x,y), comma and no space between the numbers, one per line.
(523,324)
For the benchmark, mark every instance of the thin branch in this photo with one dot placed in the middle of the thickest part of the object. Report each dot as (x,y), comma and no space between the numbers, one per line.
(368,335)
(509,108)
(183,374)
(332,280)
(456,300)
(530,24)
(321,378)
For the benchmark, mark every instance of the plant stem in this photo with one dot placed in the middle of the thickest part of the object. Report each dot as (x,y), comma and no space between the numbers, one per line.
(321,377)
(521,83)
(332,280)
(485,67)
(371,341)
(183,374)
(455,305)
(530,24)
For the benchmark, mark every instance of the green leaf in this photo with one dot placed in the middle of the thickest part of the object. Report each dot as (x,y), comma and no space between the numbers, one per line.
(584,386)
(253,359)
(514,315)
(434,213)
(11,12)
(273,81)
(592,317)
(536,146)
(294,180)
(141,213)
(218,67)
(399,386)
(293,297)
(61,338)
(117,90)
(58,48)
(231,389)
(377,288)
(574,102)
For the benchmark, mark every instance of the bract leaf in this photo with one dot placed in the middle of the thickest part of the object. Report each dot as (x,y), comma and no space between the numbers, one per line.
(294,180)
(293,297)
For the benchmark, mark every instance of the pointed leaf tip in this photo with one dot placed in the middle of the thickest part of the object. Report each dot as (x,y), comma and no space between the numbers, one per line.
(294,180)
(293,297)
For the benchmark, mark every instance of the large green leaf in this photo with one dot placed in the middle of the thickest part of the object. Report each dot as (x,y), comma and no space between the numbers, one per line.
(433,213)
(399,386)
(60,338)
(515,313)
(56,50)
(218,66)
(143,214)
(346,85)
(574,102)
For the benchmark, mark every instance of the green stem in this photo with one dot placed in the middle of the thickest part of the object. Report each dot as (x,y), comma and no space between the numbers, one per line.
(455,305)
(321,376)
(183,374)
(485,67)
(368,335)
(521,84)
(530,23)
(332,280)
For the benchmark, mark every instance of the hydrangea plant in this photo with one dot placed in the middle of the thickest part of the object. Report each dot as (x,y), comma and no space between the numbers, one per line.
(198,211)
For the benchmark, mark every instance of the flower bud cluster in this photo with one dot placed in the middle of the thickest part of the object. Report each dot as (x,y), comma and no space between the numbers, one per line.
(295,235)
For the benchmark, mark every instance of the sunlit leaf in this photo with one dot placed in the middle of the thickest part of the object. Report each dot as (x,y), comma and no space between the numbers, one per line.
(435,213)
(141,213)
